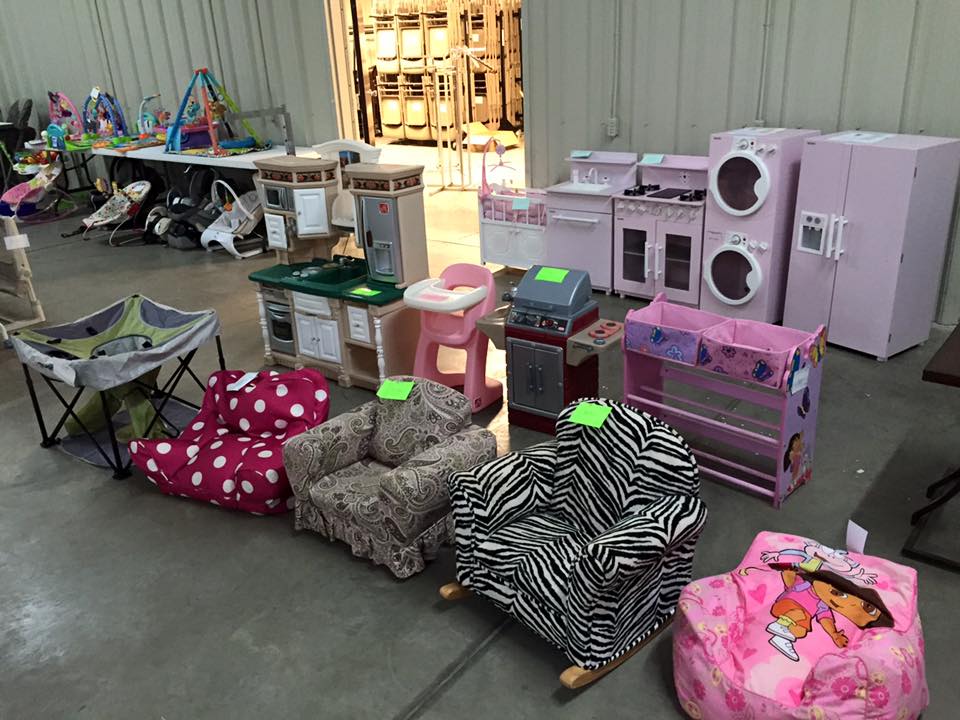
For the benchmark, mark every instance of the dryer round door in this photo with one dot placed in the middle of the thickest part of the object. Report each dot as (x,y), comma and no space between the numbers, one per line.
(733,275)
(739,183)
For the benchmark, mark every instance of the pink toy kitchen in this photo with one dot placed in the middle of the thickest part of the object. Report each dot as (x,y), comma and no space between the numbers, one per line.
(579,231)
(658,229)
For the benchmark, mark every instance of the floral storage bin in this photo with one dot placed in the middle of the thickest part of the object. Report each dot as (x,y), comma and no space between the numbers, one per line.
(668,331)
(750,350)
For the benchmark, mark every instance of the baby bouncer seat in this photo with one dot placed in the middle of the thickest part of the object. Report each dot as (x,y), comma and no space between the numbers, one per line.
(448,316)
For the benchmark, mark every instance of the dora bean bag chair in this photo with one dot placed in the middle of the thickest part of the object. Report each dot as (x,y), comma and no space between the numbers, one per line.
(231,453)
(800,630)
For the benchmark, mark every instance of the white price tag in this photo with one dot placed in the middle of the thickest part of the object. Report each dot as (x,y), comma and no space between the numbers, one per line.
(16,242)
(245,379)
(800,379)
(856,537)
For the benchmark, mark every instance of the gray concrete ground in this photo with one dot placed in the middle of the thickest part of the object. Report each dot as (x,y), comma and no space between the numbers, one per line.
(118,602)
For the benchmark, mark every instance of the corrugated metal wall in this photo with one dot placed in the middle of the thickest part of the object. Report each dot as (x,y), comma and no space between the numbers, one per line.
(691,67)
(265,52)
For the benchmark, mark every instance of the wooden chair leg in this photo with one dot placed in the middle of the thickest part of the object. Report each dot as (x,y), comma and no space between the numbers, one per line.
(454,591)
(576,677)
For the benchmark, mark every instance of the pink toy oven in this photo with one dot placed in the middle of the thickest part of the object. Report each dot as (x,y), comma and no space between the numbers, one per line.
(871,229)
(690,367)
(658,231)
(579,232)
(753,184)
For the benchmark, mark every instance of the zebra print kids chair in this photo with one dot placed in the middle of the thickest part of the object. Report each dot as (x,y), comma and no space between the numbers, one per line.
(587,539)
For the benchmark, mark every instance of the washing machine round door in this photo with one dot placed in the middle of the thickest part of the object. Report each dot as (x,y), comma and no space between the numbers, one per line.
(733,275)
(739,183)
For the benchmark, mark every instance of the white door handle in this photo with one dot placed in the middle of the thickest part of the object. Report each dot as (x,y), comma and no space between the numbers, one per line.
(656,260)
(571,218)
(646,260)
(830,224)
(838,247)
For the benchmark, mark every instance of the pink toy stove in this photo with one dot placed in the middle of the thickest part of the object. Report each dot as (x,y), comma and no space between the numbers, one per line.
(872,223)
(744,393)
(753,183)
(579,230)
(658,230)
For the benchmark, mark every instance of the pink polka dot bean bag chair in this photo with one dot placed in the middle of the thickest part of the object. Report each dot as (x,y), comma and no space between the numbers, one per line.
(231,453)
(801,631)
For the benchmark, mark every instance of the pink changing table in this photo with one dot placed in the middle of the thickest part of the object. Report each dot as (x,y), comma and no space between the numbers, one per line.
(744,394)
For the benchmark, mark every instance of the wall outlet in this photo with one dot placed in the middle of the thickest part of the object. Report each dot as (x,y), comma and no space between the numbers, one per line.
(613,127)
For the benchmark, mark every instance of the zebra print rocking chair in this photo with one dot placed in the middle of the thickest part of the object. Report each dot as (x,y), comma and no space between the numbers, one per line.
(587,539)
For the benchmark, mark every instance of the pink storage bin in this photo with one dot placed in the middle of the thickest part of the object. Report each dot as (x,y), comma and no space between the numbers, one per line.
(668,331)
(751,350)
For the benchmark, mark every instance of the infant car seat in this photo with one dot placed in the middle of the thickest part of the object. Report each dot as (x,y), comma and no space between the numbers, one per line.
(231,454)
(800,630)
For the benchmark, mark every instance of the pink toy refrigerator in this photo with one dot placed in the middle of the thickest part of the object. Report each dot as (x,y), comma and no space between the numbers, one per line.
(870,233)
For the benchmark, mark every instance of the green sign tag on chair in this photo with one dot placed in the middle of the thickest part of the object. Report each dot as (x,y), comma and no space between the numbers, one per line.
(395,389)
(590,414)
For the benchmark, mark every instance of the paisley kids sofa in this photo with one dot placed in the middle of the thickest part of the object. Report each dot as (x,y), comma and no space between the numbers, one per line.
(800,630)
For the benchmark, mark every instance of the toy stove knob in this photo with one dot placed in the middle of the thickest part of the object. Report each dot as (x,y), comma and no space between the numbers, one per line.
(743,144)
(668,212)
(657,210)
(735,239)
(752,244)
(620,204)
(632,207)
(680,214)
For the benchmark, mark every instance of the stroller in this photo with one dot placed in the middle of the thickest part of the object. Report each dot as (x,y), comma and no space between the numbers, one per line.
(236,221)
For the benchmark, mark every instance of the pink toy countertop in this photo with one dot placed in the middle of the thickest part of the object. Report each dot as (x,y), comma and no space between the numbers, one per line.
(605,156)
(887,140)
(699,163)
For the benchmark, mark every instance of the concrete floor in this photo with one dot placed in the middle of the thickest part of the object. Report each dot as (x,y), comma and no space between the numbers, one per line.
(118,602)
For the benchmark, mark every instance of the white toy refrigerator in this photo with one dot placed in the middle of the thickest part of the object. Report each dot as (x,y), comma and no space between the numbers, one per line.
(870,233)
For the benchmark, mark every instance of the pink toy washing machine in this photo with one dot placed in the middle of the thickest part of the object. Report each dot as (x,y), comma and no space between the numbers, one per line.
(750,205)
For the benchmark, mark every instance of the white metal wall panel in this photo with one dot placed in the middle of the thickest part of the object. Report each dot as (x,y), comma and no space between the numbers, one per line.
(692,67)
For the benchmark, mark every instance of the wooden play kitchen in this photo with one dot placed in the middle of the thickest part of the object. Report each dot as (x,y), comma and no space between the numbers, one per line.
(345,315)
(756,425)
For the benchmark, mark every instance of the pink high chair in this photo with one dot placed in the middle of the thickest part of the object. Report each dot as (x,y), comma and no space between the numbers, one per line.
(449,317)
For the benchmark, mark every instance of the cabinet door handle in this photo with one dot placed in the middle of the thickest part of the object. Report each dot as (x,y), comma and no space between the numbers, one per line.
(572,218)
(531,382)
(838,246)
(656,260)
(539,378)
(646,260)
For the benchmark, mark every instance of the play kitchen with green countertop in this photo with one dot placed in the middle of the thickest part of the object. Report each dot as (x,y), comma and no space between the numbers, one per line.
(333,313)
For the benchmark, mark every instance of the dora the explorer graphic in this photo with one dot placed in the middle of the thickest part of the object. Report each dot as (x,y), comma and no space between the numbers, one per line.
(821,595)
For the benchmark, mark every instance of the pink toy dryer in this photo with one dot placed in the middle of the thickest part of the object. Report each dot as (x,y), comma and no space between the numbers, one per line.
(448,317)
(752,190)
(873,218)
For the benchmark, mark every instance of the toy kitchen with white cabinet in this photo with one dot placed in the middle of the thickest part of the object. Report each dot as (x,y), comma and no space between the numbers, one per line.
(658,229)
(579,231)
(345,315)
(297,194)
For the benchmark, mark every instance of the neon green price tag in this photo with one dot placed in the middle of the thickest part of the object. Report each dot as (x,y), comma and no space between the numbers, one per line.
(551,274)
(365,291)
(590,414)
(395,389)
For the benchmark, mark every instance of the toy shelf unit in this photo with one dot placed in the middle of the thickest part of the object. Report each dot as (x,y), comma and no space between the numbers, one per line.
(579,231)
(743,393)
(658,229)
(512,224)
